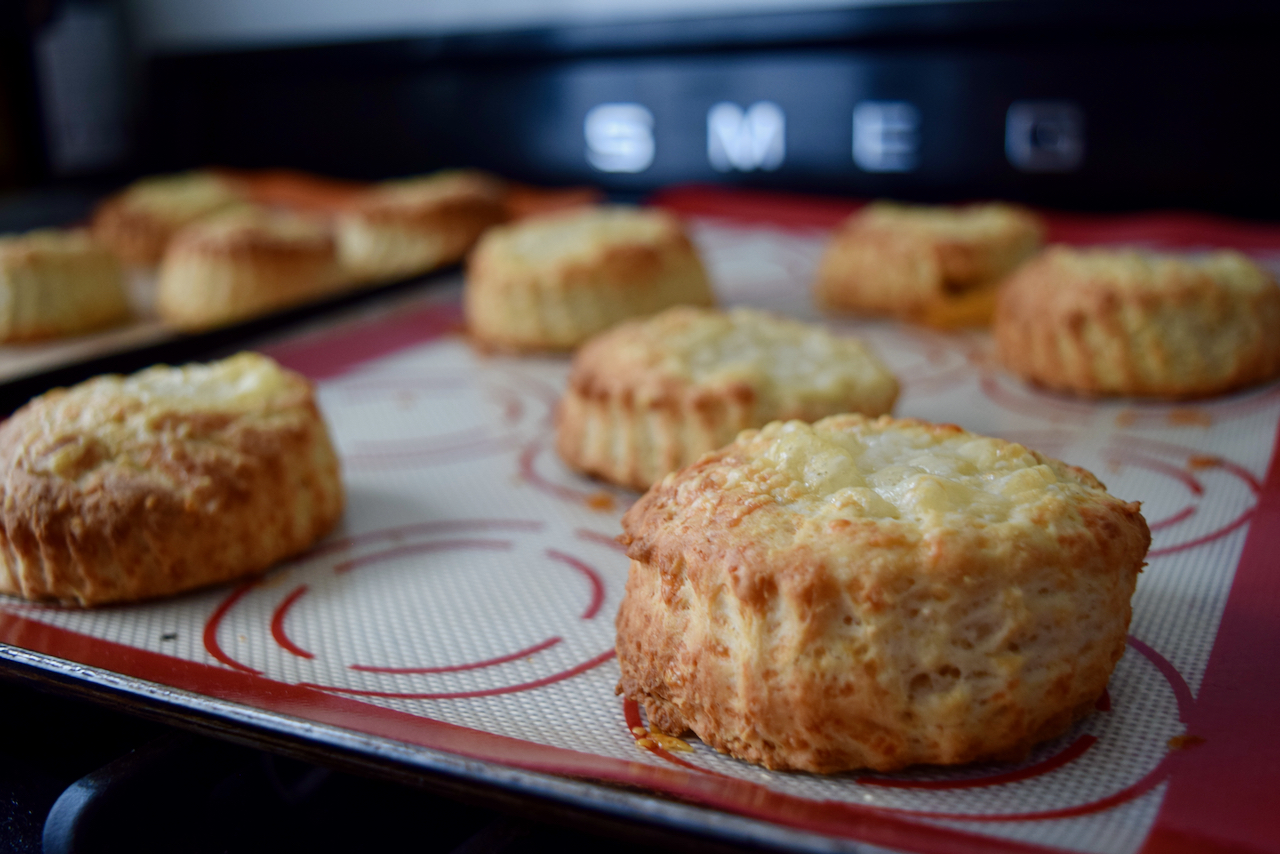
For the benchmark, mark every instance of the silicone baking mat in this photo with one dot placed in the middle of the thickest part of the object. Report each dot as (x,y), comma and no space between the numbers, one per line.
(465,608)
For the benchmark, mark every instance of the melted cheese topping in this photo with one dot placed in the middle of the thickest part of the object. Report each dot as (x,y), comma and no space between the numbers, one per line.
(778,357)
(243,382)
(904,472)
(113,416)
(577,236)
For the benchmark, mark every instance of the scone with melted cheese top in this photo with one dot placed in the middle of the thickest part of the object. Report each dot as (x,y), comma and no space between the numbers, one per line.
(1122,322)
(127,488)
(57,282)
(937,265)
(875,593)
(652,395)
(245,263)
(550,282)
(413,225)
(138,222)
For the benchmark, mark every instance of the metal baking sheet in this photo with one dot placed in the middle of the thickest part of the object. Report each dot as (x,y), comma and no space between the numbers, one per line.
(461,621)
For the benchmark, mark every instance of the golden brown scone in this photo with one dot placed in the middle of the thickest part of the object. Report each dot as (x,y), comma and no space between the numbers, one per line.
(57,282)
(1111,321)
(875,593)
(138,222)
(652,395)
(126,488)
(933,265)
(407,227)
(550,282)
(245,263)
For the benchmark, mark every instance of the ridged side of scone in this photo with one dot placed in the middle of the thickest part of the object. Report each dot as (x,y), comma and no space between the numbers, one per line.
(243,264)
(58,282)
(407,227)
(652,395)
(937,265)
(552,281)
(865,593)
(1120,322)
(138,222)
(127,488)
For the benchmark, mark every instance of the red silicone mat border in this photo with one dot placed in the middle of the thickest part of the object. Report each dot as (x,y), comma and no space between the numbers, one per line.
(1224,792)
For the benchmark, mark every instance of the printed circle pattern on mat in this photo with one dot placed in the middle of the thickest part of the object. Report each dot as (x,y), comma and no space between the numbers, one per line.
(398,613)
(1013,395)
(1190,498)
(924,361)
(542,469)
(1117,754)
(412,420)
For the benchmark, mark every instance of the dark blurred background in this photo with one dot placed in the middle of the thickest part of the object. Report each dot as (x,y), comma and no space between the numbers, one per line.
(1085,105)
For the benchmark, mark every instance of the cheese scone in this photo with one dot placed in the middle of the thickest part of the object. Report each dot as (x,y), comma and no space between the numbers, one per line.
(410,226)
(57,282)
(936,265)
(127,488)
(875,593)
(138,222)
(1122,322)
(248,262)
(652,395)
(550,282)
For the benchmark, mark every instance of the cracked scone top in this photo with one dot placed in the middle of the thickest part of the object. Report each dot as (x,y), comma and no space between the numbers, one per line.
(551,281)
(652,395)
(126,488)
(875,593)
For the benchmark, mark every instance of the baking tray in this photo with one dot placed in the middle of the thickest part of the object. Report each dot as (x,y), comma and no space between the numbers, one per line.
(460,624)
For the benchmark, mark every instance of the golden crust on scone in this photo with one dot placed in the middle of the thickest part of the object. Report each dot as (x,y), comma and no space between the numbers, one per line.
(245,263)
(138,222)
(863,593)
(410,226)
(1122,322)
(57,282)
(550,282)
(934,265)
(652,395)
(127,488)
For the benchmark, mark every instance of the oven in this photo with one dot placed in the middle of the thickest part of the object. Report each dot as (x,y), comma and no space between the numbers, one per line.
(213,724)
